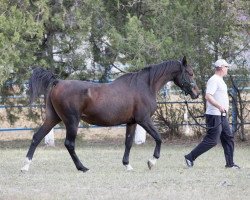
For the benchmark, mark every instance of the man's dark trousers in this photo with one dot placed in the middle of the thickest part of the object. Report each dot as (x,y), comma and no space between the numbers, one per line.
(214,132)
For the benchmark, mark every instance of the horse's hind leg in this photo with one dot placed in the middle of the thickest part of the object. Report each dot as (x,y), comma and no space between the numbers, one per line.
(130,132)
(50,121)
(37,138)
(71,131)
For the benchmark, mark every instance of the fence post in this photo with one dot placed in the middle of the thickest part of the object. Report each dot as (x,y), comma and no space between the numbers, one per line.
(234,109)
(187,129)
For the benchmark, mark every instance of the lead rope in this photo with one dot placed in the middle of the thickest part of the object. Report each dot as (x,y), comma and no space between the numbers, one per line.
(194,118)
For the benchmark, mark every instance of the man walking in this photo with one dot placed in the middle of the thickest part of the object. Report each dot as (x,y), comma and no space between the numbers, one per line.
(217,105)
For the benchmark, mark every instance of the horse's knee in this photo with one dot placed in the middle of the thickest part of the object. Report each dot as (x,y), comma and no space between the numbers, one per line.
(158,141)
(35,141)
(69,145)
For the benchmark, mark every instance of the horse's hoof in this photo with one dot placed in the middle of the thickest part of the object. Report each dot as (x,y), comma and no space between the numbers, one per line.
(25,169)
(84,169)
(129,167)
(150,164)
(26,166)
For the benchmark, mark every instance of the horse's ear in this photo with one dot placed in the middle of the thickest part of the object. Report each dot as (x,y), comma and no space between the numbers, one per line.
(184,61)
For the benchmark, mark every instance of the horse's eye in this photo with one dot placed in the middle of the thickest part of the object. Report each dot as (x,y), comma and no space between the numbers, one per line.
(190,73)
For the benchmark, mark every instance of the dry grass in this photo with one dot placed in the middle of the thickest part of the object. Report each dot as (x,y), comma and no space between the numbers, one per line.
(53,175)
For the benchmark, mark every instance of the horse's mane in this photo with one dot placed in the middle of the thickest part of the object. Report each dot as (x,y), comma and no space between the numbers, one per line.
(153,72)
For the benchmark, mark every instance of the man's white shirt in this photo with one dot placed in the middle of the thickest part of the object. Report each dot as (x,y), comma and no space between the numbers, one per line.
(218,89)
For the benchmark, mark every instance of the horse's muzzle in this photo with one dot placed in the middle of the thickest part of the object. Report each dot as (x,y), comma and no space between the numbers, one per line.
(195,96)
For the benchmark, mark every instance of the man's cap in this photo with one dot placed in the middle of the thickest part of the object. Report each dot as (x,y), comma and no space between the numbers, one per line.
(221,63)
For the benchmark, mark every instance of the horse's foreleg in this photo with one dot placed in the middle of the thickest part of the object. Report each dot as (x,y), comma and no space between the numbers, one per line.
(149,127)
(37,138)
(70,145)
(130,132)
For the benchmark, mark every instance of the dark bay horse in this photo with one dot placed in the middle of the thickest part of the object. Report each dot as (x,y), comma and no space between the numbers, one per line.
(130,100)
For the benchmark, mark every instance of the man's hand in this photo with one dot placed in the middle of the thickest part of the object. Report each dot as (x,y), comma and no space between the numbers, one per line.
(222,109)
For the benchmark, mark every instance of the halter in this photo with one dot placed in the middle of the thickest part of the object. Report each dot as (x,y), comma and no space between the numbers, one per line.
(186,82)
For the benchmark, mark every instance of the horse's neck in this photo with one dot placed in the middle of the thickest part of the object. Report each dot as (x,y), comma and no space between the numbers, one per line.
(167,74)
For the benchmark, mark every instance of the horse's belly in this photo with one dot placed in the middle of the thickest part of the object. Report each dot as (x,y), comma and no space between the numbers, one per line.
(106,120)
(102,122)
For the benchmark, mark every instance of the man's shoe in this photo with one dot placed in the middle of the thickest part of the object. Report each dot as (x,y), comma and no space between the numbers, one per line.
(189,162)
(233,166)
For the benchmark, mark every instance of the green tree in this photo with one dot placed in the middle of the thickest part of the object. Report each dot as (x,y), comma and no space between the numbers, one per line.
(86,39)
(20,34)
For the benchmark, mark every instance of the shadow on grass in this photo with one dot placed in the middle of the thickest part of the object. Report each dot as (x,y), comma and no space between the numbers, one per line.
(59,143)
(14,144)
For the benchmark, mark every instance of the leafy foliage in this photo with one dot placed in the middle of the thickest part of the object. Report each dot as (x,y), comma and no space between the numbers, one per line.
(96,39)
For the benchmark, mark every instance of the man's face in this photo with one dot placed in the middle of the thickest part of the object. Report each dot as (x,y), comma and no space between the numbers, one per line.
(225,69)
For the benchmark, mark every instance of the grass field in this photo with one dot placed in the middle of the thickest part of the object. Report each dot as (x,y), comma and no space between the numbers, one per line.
(53,175)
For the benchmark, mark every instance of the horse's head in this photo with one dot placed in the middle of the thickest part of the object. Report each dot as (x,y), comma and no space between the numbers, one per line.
(185,80)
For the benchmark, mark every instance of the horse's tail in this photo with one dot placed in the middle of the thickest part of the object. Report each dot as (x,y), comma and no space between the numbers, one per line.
(40,82)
